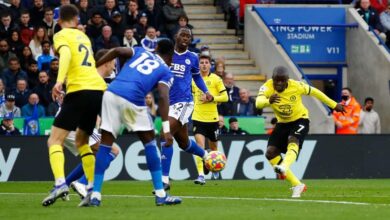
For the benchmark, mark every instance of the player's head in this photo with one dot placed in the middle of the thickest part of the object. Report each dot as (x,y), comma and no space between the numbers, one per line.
(165,49)
(204,63)
(183,38)
(280,78)
(69,13)
(107,68)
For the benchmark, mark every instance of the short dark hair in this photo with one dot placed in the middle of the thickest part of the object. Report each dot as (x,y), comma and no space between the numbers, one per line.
(45,42)
(68,12)
(183,16)
(13,59)
(100,53)
(32,62)
(279,70)
(347,88)
(368,99)
(165,47)
(202,56)
(6,14)
(232,119)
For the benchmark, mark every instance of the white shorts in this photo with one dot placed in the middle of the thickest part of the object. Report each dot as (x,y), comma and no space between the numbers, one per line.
(117,111)
(181,111)
(70,140)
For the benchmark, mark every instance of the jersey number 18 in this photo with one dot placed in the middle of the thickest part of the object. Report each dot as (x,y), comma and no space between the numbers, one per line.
(145,65)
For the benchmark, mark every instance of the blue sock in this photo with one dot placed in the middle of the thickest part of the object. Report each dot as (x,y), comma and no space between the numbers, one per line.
(166,158)
(103,160)
(193,148)
(83,180)
(76,173)
(154,164)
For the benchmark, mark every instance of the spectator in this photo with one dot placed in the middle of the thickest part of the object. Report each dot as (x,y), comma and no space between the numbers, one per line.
(347,123)
(369,122)
(385,21)
(152,106)
(234,128)
(5,54)
(245,106)
(25,27)
(53,72)
(7,26)
(13,73)
(84,11)
(131,13)
(37,12)
(27,58)
(106,40)
(43,89)
(170,15)
(28,109)
(48,23)
(9,106)
(118,25)
(40,36)
(273,124)
(149,43)
(21,93)
(15,9)
(370,15)
(2,91)
(95,25)
(45,58)
(128,39)
(15,43)
(226,108)
(221,125)
(32,73)
(154,15)
(7,126)
(141,26)
(109,8)
(53,107)
(182,22)
(220,68)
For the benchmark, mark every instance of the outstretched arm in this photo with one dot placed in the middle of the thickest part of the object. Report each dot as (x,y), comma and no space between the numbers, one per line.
(326,100)
(122,52)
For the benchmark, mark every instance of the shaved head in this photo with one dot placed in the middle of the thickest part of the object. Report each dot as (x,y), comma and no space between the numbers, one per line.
(280,78)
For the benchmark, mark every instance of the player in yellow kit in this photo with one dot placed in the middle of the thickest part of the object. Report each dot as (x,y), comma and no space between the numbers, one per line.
(205,116)
(82,103)
(284,95)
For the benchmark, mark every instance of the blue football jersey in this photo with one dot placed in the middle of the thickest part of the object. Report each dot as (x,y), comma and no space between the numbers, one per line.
(139,75)
(183,67)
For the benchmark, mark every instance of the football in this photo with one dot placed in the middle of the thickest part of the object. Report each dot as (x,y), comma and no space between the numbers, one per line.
(215,161)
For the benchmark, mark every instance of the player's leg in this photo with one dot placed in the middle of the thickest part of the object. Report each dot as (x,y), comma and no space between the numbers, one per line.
(200,140)
(154,165)
(86,155)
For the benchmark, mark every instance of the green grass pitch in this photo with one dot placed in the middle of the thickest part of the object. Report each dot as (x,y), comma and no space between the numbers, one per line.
(237,199)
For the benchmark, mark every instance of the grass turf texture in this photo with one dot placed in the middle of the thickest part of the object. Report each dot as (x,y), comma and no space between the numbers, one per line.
(238,199)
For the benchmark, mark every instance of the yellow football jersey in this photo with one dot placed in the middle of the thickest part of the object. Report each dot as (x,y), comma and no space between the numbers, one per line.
(208,112)
(82,73)
(290,107)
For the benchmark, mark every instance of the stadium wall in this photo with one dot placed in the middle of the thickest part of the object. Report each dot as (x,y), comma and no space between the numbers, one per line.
(368,68)
(322,156)
(267,53)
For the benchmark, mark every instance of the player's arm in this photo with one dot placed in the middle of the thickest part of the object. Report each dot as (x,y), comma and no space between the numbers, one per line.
(262,99)
(223,96)
(65,57)
(123,53)
(163,108)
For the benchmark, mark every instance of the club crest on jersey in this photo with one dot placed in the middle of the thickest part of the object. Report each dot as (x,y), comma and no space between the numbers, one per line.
(188,61)
(293,98)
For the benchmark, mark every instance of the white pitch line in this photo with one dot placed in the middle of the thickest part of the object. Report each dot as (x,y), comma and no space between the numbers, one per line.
(232,198)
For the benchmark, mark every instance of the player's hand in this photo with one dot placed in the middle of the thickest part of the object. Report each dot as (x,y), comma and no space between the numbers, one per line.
(209,97)
(340,108)
(57,90)
(168,139)
(204,99)
(275,98)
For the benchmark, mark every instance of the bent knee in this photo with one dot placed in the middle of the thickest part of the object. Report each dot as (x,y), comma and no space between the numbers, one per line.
(271,153)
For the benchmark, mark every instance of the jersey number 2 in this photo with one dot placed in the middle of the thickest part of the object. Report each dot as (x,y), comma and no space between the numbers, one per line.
(85,60)
(144,65)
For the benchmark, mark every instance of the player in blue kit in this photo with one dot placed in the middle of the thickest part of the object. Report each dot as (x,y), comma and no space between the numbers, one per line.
(185,67)
(124,103)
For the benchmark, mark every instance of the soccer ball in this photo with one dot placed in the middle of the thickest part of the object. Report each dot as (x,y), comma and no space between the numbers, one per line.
(215,161)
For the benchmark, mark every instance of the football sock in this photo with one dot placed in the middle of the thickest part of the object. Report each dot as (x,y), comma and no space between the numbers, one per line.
(57,161)
(76,174)
(193,148)
(289,174)
(110,158)
(84,180)
(103,160)
(88,161)
(154,165)
(291,155)
(166,160)
(199,165)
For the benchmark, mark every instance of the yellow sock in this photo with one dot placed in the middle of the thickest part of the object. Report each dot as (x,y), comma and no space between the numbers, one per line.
(276,160)
(57,161)
(199,165)
(88,161)
(291,155)
(292,178)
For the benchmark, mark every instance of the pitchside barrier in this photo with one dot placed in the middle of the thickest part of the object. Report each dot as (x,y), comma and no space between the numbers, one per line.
(322,156)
